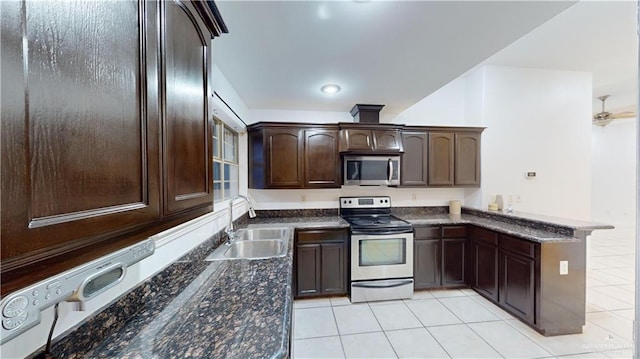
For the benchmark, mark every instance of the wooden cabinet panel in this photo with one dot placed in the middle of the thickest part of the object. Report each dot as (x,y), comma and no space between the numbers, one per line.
(485,272)
(453,261)
(284,148)
(187,159)
(333,268)
(321,159)
(320,262)
(439,261)
(441,159)
(426,263)
(414,159)
(86,148)
(294,156)
(308,269)
(387,141)
(77,158)
(517,285)
(467,159)
(356,140)
(368,139)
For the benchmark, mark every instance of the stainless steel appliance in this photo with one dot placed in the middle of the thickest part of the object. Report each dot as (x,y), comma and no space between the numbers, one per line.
(381,250)
(372,170)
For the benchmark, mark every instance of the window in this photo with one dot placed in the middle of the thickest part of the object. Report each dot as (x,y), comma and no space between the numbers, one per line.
(225,162)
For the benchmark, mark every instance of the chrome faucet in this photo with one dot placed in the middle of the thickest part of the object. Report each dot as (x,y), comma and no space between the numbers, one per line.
(230,231)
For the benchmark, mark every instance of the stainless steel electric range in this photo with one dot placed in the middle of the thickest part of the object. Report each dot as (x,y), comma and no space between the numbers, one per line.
(381,250)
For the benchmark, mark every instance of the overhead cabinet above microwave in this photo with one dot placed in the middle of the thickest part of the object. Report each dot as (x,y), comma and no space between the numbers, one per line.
(378,139)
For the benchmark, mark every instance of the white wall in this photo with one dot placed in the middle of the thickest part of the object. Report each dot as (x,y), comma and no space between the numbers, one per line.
(328,198)
(538,120)
(614,173)
(444,107)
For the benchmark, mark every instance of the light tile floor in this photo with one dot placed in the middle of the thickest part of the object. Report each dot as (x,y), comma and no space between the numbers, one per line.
(458,323)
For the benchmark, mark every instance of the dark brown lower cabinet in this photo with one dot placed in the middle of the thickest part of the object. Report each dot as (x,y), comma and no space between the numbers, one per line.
(439,256)
(426,263)
(453,261)
(484,262)
(517,284)
(320,262)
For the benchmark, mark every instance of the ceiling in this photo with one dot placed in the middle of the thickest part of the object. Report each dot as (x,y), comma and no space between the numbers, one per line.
(278,54)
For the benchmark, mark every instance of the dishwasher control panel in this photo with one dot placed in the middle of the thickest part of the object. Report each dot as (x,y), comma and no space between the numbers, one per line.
(21,309)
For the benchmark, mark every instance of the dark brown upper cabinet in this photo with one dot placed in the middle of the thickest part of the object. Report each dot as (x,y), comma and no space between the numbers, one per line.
(441,159)
(370,139)
(293,156)
(321,158)
(467,159)
(187,167)
(101,145)
(454,158)
(414,162)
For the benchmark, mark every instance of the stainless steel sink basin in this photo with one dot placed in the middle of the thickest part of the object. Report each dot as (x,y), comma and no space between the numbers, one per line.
(253,234)
(257,243)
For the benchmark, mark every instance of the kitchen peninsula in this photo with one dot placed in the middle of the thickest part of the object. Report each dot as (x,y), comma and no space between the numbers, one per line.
(243,308)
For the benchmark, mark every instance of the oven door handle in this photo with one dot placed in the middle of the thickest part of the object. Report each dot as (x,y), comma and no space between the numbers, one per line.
(380,232)
(392,285)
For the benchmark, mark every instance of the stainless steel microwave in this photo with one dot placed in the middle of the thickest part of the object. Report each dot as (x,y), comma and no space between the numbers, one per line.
(371,170)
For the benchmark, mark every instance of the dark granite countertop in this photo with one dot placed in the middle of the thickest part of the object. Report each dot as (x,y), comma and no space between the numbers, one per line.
(542,229)
(240,308)
(196,308)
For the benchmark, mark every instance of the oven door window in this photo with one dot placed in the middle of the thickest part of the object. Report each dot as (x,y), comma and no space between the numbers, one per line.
(381,252)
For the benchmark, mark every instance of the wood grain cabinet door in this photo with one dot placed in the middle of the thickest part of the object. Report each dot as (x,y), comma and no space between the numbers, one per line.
(414,159)
(387,140)
(321,159)
(517,284)
(467,159)
(485,262)
(284,157)
(426,263)
(79,156)
(308,269)
(333,268)
(453,261)
(441,159)
(356,140)
(187,166)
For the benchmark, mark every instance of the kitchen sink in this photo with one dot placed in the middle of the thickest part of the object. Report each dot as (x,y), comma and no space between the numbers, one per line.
(255,243)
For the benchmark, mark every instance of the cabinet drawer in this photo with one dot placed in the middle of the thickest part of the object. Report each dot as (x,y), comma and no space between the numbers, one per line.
(454,232)
(484,235)
(426,232)
(519,246)
(320,235)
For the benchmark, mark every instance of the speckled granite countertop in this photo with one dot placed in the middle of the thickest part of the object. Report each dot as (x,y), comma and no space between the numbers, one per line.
(542,229)
(242,308)
(195,308)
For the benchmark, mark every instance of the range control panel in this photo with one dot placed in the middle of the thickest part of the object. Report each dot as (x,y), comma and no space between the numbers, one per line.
(365,202)
(21,309)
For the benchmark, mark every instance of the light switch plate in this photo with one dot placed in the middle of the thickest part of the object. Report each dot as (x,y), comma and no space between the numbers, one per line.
(564,267)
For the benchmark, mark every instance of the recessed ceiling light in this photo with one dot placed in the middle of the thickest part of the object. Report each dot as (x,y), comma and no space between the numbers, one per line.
(330,89)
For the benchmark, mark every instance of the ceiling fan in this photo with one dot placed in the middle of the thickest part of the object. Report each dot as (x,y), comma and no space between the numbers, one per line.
(604,118)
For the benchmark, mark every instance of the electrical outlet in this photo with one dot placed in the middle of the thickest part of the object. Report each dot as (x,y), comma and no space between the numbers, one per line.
(413,196)
(510,199)
(564,267)
(518,199)
(303,198)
